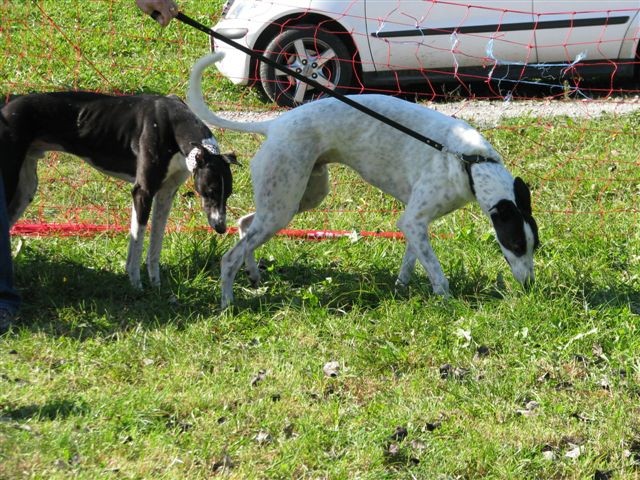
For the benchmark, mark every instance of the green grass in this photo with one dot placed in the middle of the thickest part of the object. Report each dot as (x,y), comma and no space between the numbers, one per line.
(105,45)
(100,381)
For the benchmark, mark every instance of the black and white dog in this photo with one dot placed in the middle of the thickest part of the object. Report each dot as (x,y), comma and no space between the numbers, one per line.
(289,174)
(152,141)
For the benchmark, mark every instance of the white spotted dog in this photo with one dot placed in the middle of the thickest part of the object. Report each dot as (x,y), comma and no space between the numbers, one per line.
(152,141)
(289,174)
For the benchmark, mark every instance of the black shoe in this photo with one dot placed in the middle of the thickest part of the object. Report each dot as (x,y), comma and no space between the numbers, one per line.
(6,320)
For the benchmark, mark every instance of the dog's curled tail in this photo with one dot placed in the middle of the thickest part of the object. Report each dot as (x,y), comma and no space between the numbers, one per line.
(196,102)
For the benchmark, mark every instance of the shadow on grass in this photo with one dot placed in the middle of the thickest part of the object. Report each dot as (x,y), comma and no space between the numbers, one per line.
(615,296)
(63,297)
(53,410)
(326,286)
(67,298)
(337,288)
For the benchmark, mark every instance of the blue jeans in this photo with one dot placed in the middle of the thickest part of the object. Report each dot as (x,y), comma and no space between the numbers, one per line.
(9,297)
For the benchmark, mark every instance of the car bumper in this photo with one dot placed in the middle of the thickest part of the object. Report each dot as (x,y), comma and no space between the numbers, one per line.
(244,25)
(235,65)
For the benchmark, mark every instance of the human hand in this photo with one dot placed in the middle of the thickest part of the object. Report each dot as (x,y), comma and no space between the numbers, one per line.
(166,10)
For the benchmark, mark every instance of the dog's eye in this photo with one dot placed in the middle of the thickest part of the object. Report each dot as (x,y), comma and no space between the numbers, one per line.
(518,248)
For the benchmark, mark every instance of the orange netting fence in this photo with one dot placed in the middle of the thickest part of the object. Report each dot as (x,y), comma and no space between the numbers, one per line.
(515,73)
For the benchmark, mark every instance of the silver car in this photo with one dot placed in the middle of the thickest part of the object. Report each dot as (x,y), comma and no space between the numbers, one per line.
(385,45)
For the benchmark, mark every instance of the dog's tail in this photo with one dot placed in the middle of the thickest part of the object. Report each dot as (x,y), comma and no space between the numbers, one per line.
(196,102)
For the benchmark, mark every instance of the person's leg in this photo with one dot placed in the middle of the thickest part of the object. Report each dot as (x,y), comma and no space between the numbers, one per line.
(9,297)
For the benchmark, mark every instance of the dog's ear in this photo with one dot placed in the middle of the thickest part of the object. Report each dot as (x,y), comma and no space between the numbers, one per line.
(522,195)
(230,158)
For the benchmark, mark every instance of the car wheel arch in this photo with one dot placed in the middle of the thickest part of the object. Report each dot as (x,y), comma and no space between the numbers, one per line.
(325,23)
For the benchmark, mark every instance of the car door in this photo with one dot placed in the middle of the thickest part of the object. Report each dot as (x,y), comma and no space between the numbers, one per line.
(567,30)
(430,34)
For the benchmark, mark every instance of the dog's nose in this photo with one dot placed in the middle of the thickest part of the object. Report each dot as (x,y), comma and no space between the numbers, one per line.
(220,227)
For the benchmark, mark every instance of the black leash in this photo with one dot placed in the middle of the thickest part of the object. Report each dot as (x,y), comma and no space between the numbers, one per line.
(468,160)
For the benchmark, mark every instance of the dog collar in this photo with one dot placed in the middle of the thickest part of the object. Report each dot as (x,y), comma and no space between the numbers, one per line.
(209,144)
(469,160)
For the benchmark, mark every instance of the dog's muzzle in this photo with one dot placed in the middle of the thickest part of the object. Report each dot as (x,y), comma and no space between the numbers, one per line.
(218,222)
(522,272)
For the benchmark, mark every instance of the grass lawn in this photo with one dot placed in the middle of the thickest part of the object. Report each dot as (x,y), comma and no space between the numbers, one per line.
(101,381)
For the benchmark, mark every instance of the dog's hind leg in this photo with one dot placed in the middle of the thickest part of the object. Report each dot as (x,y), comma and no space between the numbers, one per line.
(259,232)
(24,188)
(315,192)
(279,178)
(317,188)
(250,260)
(244,223)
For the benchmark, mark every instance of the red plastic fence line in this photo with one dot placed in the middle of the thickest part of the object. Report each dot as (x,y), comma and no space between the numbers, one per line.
(38,229)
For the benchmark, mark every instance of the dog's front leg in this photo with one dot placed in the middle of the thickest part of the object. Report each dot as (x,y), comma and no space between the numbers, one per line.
(414,225)
(407,268)
(139,218)
(161,208)
(134,255)
(419,241)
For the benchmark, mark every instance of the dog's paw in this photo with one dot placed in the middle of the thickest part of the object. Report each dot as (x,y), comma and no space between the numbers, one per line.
(226,298)
(442,289)
(135,281)
(255,281)
(254,270)
(154,276)
(254,277)
(401,286)
(226,303)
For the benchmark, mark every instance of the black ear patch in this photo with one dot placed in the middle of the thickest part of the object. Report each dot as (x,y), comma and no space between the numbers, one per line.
(230,158)
(523,196)
(509,218)
(523,201)
(508,223)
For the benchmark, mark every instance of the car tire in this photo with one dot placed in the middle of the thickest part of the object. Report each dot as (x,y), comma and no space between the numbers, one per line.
(314,53)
